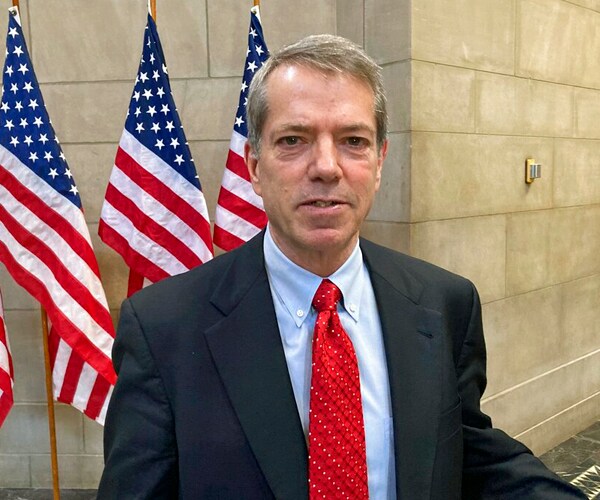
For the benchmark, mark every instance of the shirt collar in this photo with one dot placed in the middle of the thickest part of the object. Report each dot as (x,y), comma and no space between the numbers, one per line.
(295,287)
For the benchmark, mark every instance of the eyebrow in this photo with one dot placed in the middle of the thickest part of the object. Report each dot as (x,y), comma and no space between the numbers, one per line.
(299,127)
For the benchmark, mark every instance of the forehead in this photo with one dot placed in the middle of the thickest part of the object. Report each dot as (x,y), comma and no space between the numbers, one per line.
(289,85)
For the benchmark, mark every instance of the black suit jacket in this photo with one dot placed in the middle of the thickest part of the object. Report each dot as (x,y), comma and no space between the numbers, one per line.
(204,407)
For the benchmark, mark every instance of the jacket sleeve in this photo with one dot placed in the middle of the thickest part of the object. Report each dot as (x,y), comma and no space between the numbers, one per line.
(140,450)
(496,465)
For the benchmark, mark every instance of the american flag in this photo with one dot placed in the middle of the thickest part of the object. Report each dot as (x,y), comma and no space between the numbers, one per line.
(6,370)
(154,212)
(240,213)
(44,240)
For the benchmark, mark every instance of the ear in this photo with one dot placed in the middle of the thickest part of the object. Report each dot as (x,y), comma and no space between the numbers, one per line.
(251,159)
(380,159)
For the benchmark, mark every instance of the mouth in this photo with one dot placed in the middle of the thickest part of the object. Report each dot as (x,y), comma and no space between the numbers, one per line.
(323,203)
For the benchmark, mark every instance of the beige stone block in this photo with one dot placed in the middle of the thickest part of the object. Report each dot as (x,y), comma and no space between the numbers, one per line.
(88,112)
(443,98)
(580,320)
(207,107)
(551,36)
(528,251)
(466,33)
(551,432)
(389,234)
(574,243)
(69,429)
(577,172)
(26,342)
(93,434)
(397,82)
(25,430)
(283,23)
(14,296)
(350,20)
(588,4)
(183,34)
(523,338)
(473,247)
(461,175)
(75,471)
(543,397)
(15,471)
(392,203)
(587,113)
(86,41)
(113,270)
(388,30)
(516,106)
(91,165)
(210,158)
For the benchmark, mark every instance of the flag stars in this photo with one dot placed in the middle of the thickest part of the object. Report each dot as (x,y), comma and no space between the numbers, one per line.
(14,88)
(143,77)
(14,141)
(68,173)
(147,93)
(53,173)
(62,156)
(9,124)
(9,70)
(28,87)
(48,155)
(155,75)
(244,86)
(151,110)
(174,142)
(73,190)
(252,66)
(259,50)
(18,106)
(38,121)
(23,122)
(43,138)
(5,107)
(18,50)
(33,104)
(165,109)
(169,126)
(164,68)
(23,68)
(33,156)
(159,144)
(179,159)
(160,92)
(137,112)
(12,32)
(139,127)
(239,121)
(253,33)
(28,140)
(136,96)
(155,127)
(152,58)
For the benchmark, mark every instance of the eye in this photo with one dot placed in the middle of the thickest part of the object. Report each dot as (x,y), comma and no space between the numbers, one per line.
(357,141)
(291,140)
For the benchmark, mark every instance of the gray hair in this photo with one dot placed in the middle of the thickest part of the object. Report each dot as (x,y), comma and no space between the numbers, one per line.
(325,53)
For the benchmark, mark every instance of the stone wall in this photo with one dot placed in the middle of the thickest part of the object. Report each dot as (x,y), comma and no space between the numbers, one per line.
(475,87)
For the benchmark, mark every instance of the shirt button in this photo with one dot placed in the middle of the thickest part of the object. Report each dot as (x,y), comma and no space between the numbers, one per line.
(299,313)
(352,308)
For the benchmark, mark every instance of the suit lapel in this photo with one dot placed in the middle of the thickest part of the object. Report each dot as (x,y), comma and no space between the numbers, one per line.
(246,348)
(411,337)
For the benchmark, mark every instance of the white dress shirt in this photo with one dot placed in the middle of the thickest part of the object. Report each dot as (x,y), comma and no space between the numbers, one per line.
(293,288)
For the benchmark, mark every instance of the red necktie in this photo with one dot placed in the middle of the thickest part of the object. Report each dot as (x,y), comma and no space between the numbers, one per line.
(337,454)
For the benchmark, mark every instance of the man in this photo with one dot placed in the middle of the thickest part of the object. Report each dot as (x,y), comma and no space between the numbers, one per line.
(222,391)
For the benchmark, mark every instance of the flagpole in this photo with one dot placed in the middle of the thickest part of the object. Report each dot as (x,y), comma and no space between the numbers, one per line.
(153,9)
(256,3)
(50,399)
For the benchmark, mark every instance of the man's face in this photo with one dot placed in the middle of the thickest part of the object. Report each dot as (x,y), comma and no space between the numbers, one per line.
(319,166)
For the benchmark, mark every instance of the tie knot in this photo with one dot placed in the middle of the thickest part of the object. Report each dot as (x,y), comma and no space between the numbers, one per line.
(326,297)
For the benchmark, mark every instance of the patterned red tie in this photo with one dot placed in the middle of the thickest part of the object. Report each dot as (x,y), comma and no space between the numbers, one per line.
(337,454)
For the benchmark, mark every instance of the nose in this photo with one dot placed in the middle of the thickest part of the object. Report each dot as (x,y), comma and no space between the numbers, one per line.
(324,164)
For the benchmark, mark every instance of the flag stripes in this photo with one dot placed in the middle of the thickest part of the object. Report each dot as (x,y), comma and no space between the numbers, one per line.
(6,370)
